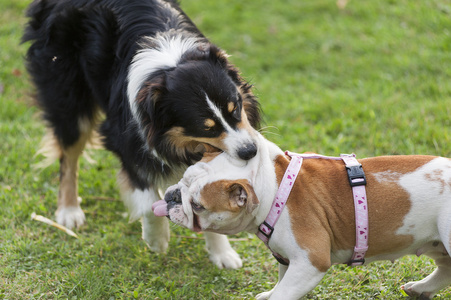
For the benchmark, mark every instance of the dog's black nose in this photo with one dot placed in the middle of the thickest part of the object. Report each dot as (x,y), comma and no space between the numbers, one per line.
(173,196)
(247,151)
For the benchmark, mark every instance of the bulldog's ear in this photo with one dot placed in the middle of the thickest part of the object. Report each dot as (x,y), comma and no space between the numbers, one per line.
(242,194)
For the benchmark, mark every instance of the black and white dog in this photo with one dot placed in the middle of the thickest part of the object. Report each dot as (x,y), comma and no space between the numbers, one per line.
(161,91)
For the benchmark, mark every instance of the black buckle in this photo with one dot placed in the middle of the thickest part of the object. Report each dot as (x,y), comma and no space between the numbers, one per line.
(268,235)
(356,172)
(353,261)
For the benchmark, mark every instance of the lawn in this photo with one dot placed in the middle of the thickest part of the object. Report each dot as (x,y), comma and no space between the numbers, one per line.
(372,78)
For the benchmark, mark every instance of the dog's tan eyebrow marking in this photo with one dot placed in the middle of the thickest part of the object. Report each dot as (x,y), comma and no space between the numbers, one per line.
(209,123)
(231,107)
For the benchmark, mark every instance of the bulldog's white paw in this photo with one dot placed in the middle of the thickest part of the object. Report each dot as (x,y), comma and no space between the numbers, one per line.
(70,216)
(228,259)
(264,296)
(413,289)
(156,233)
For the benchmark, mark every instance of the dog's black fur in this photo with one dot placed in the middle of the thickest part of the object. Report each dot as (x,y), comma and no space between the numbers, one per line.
(79,59)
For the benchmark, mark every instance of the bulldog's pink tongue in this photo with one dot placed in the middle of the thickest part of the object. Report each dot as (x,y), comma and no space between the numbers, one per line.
(160,208)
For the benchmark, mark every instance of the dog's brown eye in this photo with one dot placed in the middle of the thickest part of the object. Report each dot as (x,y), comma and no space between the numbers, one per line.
(234,109)
(236,113)
(197,207)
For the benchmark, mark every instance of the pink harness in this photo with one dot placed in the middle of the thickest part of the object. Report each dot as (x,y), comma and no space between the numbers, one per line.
(357,181)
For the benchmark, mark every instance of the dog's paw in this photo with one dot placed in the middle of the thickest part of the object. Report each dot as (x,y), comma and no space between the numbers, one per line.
(411,289)
(156,233)
(70,216)
(263,296)
(157,244)
(221,253)
(226,258)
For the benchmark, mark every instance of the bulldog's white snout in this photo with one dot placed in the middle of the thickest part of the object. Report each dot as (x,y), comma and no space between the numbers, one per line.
(171,197)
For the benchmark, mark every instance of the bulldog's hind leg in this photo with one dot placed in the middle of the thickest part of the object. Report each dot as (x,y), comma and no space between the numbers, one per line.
(439,251)
(439,279)
(155,230)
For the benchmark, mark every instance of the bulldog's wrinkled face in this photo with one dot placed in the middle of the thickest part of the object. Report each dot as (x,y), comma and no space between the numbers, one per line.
(215,196)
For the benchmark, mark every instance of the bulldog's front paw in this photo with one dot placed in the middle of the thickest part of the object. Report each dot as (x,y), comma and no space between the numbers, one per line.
(221,253)
(264,296)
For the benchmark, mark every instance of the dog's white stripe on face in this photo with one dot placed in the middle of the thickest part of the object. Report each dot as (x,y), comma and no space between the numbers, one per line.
(167,53)
(235,138)
(217,112)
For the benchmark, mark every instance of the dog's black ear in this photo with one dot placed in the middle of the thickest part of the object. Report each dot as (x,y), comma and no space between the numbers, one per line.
(250,103)
(149,104)
(219,56)
(242,194)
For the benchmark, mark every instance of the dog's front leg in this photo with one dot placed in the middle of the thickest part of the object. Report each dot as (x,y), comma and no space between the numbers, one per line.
(299,279)
(155,230)
(266,295)
(221,253)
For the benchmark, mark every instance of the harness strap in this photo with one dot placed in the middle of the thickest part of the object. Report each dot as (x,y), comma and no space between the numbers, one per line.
(266,229)
(357,181)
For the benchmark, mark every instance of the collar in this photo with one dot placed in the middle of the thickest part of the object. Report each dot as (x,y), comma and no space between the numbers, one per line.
(357,181)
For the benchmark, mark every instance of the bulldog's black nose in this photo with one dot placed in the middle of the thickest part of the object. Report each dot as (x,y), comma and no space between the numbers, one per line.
(173,196)
(247,151)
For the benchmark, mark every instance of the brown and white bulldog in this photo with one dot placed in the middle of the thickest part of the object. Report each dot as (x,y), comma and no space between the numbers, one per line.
(409,212)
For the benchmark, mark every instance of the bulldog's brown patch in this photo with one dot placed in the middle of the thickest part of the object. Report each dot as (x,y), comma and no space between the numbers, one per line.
(437,176)
(388,202)
(228,195)
(322,210)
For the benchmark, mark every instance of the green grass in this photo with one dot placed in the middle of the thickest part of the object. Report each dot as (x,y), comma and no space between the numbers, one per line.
(373,79)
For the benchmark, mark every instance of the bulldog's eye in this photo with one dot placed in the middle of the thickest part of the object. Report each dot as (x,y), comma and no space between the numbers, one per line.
(197,207)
